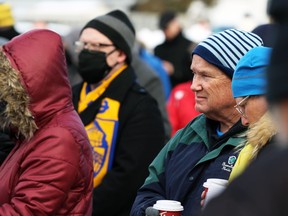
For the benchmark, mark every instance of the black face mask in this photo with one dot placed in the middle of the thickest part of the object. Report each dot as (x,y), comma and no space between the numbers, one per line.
(92,65)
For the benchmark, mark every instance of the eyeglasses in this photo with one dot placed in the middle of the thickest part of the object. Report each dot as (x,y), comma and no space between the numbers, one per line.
(80,45)
(239,108)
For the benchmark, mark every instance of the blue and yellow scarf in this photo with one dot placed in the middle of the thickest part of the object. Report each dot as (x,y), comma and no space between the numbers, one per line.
(102,131)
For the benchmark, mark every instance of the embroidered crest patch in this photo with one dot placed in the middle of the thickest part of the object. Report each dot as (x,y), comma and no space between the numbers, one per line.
(230,164)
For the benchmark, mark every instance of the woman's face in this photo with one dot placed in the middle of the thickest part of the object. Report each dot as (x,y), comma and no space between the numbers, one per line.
(252,108)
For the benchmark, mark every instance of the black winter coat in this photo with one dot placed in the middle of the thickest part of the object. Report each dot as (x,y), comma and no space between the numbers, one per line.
(178,52)
(140,138)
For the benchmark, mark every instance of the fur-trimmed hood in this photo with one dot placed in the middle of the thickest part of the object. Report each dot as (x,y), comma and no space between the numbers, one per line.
(29,87)
(260,133)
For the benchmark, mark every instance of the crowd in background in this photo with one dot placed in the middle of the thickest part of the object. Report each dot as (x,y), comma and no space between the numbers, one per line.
(156,123)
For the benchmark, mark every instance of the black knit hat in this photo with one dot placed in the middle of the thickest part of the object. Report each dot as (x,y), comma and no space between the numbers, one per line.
(165,18)
(277,72)
(118,28)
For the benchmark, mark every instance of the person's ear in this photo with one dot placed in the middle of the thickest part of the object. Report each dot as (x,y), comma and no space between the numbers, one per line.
(122,56)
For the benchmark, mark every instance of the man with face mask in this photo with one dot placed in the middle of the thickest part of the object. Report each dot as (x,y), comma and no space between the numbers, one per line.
(122,120)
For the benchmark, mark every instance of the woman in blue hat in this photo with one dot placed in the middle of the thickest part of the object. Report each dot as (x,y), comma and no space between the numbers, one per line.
(249,90)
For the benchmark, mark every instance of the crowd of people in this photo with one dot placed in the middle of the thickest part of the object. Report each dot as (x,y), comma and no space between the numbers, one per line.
(136,127)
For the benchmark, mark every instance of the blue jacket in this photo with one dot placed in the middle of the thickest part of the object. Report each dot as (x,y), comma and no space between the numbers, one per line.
(192,156)
(157,65)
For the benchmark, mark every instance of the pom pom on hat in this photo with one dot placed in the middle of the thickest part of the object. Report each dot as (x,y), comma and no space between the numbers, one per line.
(250,74)
(225,49)
(118,28)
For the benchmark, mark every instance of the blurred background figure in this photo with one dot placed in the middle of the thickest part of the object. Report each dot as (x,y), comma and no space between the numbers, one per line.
(71,55)
(267,32)
(176,50)
(148,76)
(7,29)
(156,64)
(181,106)
(3,40)
(277,71)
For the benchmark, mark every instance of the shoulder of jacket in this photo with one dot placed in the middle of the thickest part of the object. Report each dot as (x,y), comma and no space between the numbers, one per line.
(187,133)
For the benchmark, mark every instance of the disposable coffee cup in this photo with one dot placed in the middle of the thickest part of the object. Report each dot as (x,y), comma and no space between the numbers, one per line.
(213,188)
(169,207)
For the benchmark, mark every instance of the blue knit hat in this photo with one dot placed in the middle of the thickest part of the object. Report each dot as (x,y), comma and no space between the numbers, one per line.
(250,73)
(224,49)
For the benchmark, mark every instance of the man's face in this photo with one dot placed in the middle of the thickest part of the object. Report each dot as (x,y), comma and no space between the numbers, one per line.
(172,30)
(96,41)
(212,88)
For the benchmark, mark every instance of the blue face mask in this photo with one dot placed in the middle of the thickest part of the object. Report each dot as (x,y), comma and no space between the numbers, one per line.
(92,65)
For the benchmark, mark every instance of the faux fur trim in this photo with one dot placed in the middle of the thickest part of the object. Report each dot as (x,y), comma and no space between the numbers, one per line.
(260,133)
(16,114)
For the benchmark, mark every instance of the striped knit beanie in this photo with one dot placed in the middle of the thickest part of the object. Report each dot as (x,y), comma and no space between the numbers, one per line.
(224,49)
(118,28)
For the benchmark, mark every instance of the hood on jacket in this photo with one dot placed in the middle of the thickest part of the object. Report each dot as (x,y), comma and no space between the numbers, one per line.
(260,133)
(33,80)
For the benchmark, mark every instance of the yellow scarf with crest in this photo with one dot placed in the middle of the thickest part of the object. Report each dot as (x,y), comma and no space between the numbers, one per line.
(102,132)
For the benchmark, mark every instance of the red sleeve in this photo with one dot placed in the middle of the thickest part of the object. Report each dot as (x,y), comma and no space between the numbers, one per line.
(49,169)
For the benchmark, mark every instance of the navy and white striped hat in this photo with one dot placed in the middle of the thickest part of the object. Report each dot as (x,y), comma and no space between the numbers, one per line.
(224,49)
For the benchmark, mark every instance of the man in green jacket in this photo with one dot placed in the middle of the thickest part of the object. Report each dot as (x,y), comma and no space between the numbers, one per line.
(205,148)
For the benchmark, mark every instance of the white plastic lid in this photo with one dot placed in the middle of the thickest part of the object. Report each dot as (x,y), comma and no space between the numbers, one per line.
(168,205)
(213,181)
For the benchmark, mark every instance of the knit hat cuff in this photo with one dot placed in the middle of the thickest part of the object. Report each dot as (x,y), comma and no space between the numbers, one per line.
(209,57)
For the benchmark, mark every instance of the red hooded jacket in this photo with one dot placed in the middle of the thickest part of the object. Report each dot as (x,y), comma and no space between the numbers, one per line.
(49,171)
